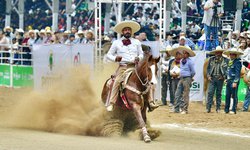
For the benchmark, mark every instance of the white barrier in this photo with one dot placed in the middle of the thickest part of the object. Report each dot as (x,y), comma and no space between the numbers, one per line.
(49,60)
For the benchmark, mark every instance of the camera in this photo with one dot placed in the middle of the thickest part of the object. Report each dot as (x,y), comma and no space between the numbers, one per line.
(215,9)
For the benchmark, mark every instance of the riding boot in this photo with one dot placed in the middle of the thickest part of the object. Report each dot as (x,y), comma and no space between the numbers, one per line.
(115,89)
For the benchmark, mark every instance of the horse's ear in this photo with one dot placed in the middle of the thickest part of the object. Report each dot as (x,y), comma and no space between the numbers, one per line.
(150,58)
(158,59)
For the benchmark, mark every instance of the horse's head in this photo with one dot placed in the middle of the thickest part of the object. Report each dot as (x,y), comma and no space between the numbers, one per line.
(148,69)
(154,68)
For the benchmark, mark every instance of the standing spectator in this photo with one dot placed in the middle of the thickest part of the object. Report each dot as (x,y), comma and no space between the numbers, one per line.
(65,36)
(81,39)
(71,40)
(174,75)
(48,37)
(42,37)
(164,80)
(90,37)
(216,74)
(247,97)
(8,33)
(187,73)
(32,38)
(213,10)
(233,79)
(4,46)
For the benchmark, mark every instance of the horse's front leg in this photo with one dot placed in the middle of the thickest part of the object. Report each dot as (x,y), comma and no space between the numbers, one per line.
(137,111)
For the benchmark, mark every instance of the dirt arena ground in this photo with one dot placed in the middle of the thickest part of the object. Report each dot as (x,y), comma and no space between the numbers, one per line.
(227,131)
(61,117)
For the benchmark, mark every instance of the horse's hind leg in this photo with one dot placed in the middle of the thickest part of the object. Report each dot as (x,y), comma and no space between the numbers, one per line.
(137,111)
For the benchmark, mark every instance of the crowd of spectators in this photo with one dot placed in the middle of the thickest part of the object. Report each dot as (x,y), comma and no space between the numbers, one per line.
(39,16)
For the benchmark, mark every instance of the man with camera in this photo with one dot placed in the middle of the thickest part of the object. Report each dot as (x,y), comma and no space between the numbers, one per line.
(212,12)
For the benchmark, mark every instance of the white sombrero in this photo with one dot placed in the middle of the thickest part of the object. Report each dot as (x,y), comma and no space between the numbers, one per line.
(80,32)
(131,24)
(218,49)
(233,51)
(20,30)
(181,49)
(168,48)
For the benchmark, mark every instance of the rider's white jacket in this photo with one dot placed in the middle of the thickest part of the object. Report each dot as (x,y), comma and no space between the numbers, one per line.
(128,53)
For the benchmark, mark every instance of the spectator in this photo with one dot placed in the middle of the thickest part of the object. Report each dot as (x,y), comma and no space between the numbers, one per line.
(81,39)
(216,74)
(32,38)
(90,37)
(187,72)
(164,80)
(246,103)
(233,79)
(211,23)
(71,39)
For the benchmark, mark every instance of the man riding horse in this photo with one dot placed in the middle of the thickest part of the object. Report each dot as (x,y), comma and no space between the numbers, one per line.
(127,51)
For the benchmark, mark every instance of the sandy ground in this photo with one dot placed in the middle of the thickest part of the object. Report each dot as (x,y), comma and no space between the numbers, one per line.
(174,128)
(61,117)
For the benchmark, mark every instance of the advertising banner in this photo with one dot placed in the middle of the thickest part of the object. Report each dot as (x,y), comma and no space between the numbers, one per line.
(51,61)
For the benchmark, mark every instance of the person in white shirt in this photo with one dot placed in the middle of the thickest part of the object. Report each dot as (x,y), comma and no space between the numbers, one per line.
(127,51)
(212,11)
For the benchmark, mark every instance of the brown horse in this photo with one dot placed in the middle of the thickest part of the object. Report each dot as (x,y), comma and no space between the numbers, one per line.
(136,92)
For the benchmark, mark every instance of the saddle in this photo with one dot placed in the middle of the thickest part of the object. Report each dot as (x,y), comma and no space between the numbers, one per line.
(124,102)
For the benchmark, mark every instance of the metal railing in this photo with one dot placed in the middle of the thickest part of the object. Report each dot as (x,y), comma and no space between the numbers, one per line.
(15,54)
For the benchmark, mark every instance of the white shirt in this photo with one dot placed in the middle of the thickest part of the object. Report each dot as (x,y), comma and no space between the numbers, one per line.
(128,53)
(208,14)
(195,28)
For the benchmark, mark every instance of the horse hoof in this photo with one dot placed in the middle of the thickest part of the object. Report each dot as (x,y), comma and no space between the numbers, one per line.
(147,139)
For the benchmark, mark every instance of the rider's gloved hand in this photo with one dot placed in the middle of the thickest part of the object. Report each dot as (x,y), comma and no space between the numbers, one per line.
(137,59)
(118,58)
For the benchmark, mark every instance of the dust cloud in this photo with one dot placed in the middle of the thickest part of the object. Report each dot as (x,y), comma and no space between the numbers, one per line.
(71,106)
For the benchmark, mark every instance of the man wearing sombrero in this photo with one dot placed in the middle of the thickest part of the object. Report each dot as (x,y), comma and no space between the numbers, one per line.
(233,79)
(174,74)
(216,74)
(187,73)
(164,79)
(127,51)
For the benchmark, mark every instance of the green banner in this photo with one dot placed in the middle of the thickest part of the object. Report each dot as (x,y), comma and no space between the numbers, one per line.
(242,90)
(4,75)
(22,76)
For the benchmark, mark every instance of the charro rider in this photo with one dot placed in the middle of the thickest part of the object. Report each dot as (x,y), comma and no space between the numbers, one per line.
(127,51)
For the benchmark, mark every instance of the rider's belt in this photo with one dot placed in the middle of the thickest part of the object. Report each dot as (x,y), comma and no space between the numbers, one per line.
(185,77)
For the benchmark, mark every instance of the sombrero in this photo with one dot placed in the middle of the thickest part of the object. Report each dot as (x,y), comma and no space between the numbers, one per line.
(8,28)
(80,32)
(218,49)
(20,30)
(168,48)
(233,51)
(181,49)
(131,24)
